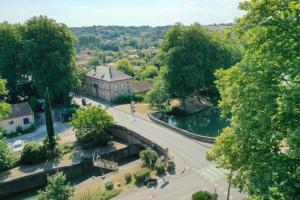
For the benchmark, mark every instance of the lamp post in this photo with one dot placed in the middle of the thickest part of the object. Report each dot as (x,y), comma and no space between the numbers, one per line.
(229,186)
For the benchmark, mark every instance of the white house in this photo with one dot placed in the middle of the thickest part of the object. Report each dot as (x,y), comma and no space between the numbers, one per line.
(21,116)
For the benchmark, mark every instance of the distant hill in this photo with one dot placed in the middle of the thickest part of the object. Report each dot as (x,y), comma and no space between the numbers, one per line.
(147,32)
(125,38)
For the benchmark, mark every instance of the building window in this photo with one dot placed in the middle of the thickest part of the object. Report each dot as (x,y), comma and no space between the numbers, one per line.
(26,120)
(122,85)
(116,86)
(11,122)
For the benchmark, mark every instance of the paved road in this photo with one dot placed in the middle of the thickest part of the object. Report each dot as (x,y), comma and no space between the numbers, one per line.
(62,129)
(199,174)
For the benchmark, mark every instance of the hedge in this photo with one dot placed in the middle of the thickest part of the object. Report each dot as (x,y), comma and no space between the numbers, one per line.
(124,99)
(141,175)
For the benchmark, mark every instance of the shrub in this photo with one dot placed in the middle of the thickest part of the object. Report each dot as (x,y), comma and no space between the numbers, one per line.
(68,112)
(141,175)
(128,177)
(123,99)
(33,153)
(19,129)
(149,157)
(57,188)
(202,195)
(66,148)
(109,185)
(160,168)
(6,157)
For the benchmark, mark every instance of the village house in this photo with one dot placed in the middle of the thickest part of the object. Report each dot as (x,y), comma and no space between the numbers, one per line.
(142,87)
(107,83)
(21,116)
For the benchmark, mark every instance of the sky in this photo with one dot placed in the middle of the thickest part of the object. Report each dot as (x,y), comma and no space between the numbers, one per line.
(77,13)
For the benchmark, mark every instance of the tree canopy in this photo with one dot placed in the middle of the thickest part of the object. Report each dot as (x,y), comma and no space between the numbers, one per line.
(192,53)
(125,66)
(36,55)
(158,96)
(6,160)
(261,95)
(90,125)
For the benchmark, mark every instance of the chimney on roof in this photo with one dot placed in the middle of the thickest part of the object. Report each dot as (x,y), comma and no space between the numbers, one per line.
(110,74)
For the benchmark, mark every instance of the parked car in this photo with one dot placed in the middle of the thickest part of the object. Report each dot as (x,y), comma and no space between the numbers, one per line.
(85,102)
(18,145)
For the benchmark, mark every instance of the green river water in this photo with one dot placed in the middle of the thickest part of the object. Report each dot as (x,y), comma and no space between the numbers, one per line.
(207,123)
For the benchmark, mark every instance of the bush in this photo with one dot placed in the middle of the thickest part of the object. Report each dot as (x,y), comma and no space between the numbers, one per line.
(7,159)
(33,153)
(124,99)
(128,177)
(141,175)
(19,129)
(109,185)
(160,168)
(149,157)
(68,112)
(202,195)
(57,188)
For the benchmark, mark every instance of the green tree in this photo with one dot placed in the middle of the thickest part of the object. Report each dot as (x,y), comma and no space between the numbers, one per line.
(125,66)
(192,54)
(49,121)
(149,72)
(49,55)
(6,159)
(261,94)
(57,188)
(158,96)
(91,124)
(149,157)
(11,67)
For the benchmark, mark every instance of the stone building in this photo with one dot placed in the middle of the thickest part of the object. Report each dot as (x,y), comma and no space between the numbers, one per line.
(107,83)
(21,116)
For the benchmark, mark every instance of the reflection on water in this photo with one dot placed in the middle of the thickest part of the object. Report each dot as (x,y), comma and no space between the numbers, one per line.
(206,123)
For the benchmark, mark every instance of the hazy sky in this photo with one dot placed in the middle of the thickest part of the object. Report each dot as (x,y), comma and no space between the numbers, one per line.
(122,12)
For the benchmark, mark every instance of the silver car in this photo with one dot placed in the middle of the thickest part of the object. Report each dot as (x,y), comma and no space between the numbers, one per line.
(18,145)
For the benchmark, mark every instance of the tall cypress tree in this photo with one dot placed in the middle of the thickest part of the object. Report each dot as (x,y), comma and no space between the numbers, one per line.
(49,120)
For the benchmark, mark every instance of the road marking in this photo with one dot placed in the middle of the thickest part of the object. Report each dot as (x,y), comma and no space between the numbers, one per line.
(151,197)
(211,173)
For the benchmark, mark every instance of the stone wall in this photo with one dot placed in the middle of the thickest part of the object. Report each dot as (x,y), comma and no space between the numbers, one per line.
(132,137)
(155,118)
(38,179)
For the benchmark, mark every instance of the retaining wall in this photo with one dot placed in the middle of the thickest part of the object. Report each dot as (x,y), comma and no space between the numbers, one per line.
(38,179)
(154,116)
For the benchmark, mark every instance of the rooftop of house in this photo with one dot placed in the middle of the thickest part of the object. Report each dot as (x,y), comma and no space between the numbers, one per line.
(141,86)
(20,110)
(107,74)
